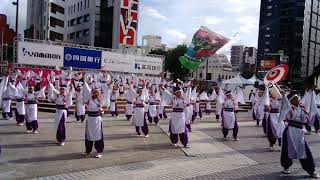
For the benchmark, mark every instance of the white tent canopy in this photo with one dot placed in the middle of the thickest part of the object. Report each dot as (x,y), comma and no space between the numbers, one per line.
(239,80)
(236,80)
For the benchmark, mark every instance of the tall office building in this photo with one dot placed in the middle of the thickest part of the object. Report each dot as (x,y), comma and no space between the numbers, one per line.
(46,20)
(291,28)
(242,57)
(101,23)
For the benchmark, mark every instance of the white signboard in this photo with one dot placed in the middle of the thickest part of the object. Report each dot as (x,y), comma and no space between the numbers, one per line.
(118,62)
(40,54)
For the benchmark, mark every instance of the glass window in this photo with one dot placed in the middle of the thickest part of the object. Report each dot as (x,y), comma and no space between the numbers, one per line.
(78,34)
(79,20)
(86,32)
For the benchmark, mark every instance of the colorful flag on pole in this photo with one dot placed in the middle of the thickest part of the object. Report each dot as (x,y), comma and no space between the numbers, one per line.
(204,44)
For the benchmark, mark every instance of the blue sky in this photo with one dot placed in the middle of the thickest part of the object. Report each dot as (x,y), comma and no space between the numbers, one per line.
(177,20)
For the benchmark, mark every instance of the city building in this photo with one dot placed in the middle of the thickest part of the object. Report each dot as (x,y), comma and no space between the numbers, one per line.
(7,35)
(151,42)
(289,28)
(243,57)
(217,68)
(101,23)
(237,57)
(46,20)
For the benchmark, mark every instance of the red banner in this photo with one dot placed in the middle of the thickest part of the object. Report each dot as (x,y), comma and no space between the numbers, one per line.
(128,22)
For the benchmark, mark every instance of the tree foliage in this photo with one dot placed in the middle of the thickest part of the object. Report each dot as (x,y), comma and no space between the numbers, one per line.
(172,63)
(247,73)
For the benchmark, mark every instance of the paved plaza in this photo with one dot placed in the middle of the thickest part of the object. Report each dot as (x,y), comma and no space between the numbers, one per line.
(126,156)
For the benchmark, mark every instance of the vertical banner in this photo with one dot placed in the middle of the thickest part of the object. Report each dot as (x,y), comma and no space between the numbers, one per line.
(82,58)
(128,22)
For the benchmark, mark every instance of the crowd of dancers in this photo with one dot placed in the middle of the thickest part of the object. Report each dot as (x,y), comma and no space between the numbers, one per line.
(283,117)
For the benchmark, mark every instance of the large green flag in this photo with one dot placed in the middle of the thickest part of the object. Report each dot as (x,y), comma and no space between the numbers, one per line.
(204,44)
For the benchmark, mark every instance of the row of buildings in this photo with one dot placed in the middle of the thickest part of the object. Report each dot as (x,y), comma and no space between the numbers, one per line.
(101,23)
(220,68)
(289,32)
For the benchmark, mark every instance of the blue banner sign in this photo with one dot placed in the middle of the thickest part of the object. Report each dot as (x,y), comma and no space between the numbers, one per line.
(82,58)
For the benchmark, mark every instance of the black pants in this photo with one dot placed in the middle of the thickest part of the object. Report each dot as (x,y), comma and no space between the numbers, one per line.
(226,131)
(316,126)
(144,128)
(151,119)
(33,125)
(19,118)
(98,145)
(271,137)
(307,164)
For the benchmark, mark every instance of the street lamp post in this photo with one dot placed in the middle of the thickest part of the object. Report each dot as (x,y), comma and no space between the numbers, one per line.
(2,34)
(17,16)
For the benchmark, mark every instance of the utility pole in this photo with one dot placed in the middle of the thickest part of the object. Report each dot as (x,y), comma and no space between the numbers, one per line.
(17,16)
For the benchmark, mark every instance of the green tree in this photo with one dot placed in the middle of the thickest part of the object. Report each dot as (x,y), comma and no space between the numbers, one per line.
(172,63)
(247,73)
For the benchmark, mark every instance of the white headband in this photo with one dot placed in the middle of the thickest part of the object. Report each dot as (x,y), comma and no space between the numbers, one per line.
(295,95)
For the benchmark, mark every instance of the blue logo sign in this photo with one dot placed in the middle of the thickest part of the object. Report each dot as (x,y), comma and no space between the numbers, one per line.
(82,58)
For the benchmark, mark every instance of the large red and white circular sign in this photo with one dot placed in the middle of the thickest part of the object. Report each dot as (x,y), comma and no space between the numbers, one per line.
(277,74)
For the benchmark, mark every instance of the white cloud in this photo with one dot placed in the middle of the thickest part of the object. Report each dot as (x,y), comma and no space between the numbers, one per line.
(212,21)
(174,37)
(149,11)
(248,23)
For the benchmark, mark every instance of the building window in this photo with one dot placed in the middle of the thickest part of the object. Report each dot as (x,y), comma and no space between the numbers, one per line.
(81,6)
(73,22)
(269,14)
(78,6)
(266,50)
(56,22)
(72,35)
(74,8)
(267,42)
(56,8)
(268,28)
(86,32)
(200,75)
(86,18)
(78,34)
(269,7)
(267,35)
(55,36)
(85,4)
(88,4)
(79,19)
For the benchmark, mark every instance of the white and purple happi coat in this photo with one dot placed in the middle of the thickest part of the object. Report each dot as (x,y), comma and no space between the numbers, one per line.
(80,107)
(31,107)
(152,107)
(94,131)
(259,108)
(61,111)
(139,112)
(20,95)
(295,136)
(7,98)
(113,102)
(197,105)
(276,126)
(178,119)
(229,117)
(129,104)
(208,104)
